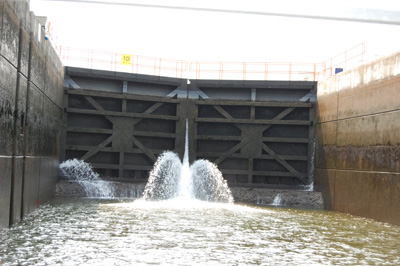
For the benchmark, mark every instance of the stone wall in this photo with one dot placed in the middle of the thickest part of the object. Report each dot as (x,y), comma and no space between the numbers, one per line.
(31,86)
(358,151)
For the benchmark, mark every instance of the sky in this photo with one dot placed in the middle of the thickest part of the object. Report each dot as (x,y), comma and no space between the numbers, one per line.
(212,36)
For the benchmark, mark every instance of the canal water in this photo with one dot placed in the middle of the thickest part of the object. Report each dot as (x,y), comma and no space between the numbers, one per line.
(191,232)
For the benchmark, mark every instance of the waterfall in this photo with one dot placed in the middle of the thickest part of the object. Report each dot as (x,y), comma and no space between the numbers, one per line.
(185,185)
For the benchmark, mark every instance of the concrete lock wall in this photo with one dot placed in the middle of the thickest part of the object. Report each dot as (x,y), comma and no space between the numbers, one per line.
(31,85)
(358,151)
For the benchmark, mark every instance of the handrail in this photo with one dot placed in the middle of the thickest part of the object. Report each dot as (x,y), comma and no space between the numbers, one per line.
(113,61)
(348,59)
(94,59)
(255,70)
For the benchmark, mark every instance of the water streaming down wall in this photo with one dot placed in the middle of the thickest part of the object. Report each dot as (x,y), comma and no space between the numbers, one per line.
(277,200)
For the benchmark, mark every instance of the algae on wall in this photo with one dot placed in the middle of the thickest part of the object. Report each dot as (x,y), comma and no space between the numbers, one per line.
(31,85)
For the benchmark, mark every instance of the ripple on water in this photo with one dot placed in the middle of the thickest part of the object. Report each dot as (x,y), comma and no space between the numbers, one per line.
(176,232)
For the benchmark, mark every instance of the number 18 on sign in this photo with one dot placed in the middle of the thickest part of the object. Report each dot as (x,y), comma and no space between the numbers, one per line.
(126,59)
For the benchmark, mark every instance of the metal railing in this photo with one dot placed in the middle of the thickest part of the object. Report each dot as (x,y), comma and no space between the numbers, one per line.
(255,70)
(348,59)
(114,61)
(93,59)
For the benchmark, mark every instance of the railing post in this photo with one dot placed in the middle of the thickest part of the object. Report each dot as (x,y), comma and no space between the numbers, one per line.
(91,59)
(244,71)
(315,70)
(221,69)
(115,62)
(155,66)
(137,65)
(159,68)
(133,65)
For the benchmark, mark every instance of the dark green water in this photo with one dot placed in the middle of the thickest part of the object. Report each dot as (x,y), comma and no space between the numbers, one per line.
(114,232)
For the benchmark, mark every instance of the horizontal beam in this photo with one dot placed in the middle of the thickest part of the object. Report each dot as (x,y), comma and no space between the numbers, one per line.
(239,138)
(121,114)
(286,140)
(90,130)
(153,134)
(122,96)
(259,173)
(244,156)
(122,76)
(250,84)
(217,137)
(255,121)
(108,149)
(256,104)
(110,131)
(265,185)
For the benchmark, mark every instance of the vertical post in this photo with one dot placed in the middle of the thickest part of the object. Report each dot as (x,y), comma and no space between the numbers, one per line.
(137,64)
(315,70)
(221,69)
(115,61)
(91,59)
(155,66)
(159,67)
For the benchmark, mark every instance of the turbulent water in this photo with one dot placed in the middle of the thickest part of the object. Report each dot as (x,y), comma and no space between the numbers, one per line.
(82,173)
(111,232)
(171,178)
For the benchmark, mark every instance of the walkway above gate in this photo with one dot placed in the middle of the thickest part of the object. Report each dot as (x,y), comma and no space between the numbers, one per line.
(259,133)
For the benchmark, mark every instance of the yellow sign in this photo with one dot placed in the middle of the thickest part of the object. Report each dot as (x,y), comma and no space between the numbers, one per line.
(126,59)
